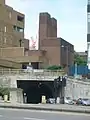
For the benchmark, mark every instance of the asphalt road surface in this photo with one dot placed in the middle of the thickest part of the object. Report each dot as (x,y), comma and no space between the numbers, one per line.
(14,114)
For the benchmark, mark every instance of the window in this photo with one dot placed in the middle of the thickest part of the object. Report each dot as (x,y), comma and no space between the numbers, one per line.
(15,27)
(10,15)
(88,37)
(19,29)
(5,40)
(5,29)
(20,18)
(88,8)
(89,2)
(88,17)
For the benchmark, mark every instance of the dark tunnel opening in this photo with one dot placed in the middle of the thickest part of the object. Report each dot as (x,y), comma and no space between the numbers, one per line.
(36,89)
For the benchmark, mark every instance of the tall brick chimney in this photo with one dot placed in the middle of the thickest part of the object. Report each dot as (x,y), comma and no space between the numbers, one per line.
(54,27)
(47,27)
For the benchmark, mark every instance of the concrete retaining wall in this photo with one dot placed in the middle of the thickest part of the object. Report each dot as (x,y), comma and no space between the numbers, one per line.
(74,88)
(77,89)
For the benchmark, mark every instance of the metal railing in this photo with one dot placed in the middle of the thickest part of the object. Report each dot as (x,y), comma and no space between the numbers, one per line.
(34,72)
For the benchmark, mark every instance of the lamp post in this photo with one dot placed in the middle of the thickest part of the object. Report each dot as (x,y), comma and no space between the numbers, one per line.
(25,98)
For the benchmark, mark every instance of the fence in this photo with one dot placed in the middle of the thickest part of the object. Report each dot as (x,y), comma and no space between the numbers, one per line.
(81,70)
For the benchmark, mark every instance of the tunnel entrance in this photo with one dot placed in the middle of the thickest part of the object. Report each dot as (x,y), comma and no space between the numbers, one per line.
(35,89)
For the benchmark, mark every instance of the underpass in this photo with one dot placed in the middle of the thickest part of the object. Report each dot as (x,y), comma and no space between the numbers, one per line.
(34,90)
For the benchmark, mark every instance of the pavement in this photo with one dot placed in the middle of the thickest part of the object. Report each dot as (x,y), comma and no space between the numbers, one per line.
(17,114)
(49,107)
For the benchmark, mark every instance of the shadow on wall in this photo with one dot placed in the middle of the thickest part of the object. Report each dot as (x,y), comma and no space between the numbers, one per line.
(36,89)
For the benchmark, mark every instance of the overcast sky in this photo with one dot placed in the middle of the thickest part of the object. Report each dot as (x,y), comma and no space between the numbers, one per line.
(71,16)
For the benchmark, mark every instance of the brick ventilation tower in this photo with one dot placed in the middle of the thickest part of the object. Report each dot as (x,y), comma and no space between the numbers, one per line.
(47,27)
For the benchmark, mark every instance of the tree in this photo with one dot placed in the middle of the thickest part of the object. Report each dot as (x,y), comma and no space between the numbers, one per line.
(79,60)
(4,86)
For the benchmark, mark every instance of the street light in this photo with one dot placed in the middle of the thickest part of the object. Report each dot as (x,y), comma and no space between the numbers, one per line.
(25,98)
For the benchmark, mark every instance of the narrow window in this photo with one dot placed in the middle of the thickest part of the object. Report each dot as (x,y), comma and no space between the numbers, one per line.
(15,28)
(5,29)
(20,18)
(10,15)
(20,29)
(5,40)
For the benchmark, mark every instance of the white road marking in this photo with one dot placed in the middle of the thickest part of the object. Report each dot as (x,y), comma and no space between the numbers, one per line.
(26,118)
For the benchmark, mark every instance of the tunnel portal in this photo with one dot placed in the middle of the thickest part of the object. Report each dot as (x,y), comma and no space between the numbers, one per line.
(35,89)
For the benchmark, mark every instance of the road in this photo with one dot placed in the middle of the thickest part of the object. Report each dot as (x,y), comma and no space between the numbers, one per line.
(15,114)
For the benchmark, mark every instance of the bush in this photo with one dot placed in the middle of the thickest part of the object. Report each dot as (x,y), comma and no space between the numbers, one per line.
(54,67)
(4,91)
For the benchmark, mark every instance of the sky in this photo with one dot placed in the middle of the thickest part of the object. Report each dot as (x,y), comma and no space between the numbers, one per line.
(71,18)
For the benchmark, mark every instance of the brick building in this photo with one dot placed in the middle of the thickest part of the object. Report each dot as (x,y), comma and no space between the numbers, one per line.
(14,47)
(12,41)
(58,51)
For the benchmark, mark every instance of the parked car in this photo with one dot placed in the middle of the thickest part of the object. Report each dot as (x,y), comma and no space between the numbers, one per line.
(74,101)
(83,101)
(69,101)
(86,102)
(51,101)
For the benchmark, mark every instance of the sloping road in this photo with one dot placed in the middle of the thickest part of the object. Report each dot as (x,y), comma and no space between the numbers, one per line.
(17,114)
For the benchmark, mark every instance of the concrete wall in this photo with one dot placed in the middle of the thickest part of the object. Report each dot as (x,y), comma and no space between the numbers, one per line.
(77,89)
(12,52)
(74,88)
(6,64)
(2,2)
(16,95)
(26,44)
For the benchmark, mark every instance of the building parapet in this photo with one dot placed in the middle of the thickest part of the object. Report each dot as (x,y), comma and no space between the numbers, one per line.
(5,64)
(34,72)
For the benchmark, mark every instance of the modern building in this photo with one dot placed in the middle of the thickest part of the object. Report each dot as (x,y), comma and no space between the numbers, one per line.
(88,34)
(14,47)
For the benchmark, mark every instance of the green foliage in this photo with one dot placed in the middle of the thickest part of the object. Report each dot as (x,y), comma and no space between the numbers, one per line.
(4,91)
(79,60)
(54,67)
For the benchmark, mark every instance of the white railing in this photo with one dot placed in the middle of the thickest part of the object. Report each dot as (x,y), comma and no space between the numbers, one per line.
(34,72)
